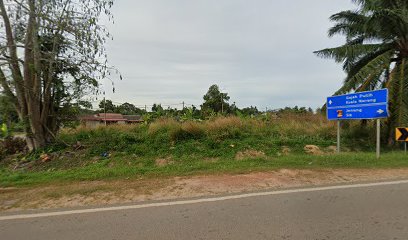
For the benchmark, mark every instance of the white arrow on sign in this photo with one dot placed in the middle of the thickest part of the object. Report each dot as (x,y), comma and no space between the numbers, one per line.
(330,102)
(380,111)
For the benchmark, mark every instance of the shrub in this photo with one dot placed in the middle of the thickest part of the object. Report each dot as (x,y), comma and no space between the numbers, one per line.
(163,125)
(195,130)
(12,145)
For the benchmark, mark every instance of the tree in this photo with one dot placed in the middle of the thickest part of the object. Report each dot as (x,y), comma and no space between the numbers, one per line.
(157,108)
(215,101)
(295,110)
(107,105)
(248,111)
(375,54)
(51,54)
(129,109)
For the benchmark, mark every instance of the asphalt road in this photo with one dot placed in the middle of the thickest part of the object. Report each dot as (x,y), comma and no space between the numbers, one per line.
(363,212)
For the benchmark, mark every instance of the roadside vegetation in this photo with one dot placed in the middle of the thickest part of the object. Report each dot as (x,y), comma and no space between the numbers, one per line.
(375,54)
(167,147)
(41,140)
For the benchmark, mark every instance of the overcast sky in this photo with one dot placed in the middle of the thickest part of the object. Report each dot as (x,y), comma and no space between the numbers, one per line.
(260,52)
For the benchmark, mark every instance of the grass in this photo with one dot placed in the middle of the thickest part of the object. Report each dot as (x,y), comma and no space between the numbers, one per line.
(170,148)
(120,167)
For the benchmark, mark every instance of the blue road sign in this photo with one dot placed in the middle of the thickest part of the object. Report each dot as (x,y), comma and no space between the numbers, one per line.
(362,105)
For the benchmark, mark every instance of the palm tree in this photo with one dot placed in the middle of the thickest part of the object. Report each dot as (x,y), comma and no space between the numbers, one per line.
(375,54)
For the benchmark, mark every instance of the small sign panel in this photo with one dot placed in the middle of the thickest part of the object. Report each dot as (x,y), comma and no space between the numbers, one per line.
(362,105)
(401,134)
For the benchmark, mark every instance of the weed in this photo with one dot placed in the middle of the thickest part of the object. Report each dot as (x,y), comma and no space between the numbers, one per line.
(145,150)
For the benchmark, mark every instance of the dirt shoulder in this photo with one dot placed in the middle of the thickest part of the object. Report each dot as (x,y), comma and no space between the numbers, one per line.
(131,191)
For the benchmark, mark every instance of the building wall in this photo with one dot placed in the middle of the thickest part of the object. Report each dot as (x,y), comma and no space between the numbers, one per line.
(91,124)
(95,124)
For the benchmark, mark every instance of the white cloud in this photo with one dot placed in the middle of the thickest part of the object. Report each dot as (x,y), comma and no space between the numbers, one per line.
(259,51)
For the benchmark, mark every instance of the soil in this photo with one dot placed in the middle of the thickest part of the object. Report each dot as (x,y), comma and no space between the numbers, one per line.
(138,190)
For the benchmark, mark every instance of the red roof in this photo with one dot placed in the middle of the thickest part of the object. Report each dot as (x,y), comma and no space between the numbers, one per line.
(111,117)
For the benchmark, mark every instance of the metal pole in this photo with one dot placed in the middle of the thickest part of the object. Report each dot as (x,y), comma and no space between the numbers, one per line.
(378,137)
(338,136)
(405,147)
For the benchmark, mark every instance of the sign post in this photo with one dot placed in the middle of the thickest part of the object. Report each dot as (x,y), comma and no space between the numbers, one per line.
(338,136)
(361,105)
(378,138)
(401,135)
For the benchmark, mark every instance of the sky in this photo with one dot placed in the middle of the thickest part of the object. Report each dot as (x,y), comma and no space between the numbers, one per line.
(260,52)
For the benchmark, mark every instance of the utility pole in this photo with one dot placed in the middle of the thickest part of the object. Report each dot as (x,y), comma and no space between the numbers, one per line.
(222,104)
(183,105)
(104,106)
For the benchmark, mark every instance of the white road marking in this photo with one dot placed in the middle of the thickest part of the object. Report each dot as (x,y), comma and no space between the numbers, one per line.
(202,200)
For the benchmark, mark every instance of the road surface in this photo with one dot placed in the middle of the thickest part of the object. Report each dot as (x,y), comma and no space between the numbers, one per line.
(366,211)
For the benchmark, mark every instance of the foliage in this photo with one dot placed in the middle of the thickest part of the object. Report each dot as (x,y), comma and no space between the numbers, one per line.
(129,109)
(11,145)
(3,130)
(210,109)
(52,54)
(125,108)
(375,54)
(190,113)
(191,147)
(107,105)
(215,101)
(249,111)
(8,114)
(157,108)
(296,110)
(210,136)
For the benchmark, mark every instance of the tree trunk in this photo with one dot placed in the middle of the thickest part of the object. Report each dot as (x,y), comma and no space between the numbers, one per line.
(32,87)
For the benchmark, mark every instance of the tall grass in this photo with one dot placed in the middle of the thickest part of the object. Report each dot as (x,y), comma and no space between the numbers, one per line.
(287,129)
(207,138)
(219,144)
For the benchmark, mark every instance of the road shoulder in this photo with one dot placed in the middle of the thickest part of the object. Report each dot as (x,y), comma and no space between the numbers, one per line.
(126,191)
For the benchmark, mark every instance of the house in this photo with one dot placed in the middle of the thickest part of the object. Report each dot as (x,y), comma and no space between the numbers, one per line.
(101,119)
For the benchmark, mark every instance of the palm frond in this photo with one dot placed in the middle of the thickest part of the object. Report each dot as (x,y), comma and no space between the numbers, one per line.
(348,23)
(374,67)
(340,54)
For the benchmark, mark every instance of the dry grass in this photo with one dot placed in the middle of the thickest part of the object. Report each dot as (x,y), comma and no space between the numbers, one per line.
(223,123)
(306,124)
(161,162)
(313,150)
(164,124)
(194,128)
(223,127)
(80,193)
(249,154)
(114,127)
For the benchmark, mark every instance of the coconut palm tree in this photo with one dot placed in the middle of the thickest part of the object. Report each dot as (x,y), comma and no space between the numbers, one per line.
(375,54)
